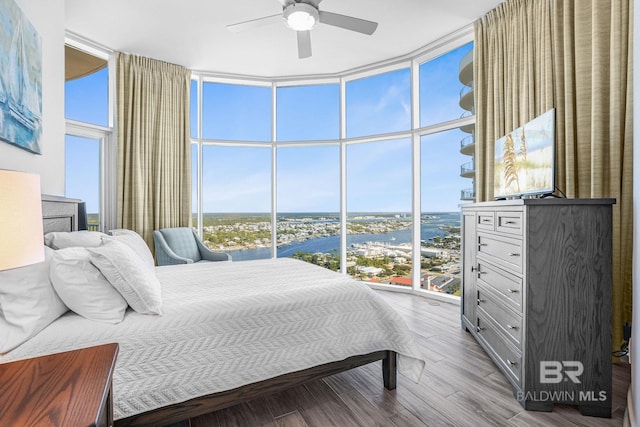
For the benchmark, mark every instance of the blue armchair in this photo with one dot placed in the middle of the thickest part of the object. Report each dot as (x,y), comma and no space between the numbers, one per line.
(181,245)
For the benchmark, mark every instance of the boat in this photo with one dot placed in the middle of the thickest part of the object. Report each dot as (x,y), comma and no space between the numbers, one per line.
(23,100)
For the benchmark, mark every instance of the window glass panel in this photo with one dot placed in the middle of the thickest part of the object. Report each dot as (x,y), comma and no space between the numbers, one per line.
(309,204)
(236,112)
(446,86)
(379,104)
(442,188)
(379,211)
(82,175)
(308,112)
(236,193)
(193,106)
(86,99)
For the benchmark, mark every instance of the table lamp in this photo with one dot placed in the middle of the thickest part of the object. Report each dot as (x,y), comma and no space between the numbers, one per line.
(21,240)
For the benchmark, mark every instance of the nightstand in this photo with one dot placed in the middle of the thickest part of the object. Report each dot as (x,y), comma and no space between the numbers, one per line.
(63,389)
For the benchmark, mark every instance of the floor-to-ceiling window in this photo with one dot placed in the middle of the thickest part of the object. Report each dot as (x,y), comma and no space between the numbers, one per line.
(446,94)
(236,200)
(441,184)
(87,113)
(309,204)
(308,175)
(282,167)
(379,211)
(379,178)
(235,168)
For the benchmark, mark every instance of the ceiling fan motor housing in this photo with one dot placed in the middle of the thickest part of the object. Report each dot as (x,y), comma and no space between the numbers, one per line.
(301,16)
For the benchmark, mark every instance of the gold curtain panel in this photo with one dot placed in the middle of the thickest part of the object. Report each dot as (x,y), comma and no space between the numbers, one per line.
(79,64)
(154,145)
(533,55)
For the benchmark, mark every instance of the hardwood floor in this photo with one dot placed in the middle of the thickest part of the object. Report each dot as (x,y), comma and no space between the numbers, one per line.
(453,391)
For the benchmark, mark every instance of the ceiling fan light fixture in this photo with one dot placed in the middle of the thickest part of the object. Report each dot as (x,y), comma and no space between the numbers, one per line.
(301,16)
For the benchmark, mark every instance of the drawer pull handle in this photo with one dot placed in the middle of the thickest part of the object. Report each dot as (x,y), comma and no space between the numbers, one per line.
(512,327)
(510,363)
(512,291)
(482,244)
(514,254)
(486,220)
(473,268)
(480,300)
(479,329)
(510,222)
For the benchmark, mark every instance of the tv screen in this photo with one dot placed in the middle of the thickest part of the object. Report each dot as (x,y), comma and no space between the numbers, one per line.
(524,159)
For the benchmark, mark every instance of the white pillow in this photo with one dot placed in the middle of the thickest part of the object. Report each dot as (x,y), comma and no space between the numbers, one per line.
(28,303)
(135,242)
(136,281)
(83,288)
(64,239)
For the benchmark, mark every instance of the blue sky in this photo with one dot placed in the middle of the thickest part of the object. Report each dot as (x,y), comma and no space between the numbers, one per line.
(237,179)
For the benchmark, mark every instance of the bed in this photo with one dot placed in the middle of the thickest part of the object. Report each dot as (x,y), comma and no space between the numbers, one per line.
(230,332)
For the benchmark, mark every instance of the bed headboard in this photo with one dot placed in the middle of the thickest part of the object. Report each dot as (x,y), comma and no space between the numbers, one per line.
(59,213)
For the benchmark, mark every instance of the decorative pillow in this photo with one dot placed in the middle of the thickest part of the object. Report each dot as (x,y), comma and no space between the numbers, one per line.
(83,288)
(136,281)
(63,239)
(28,303)
(135,242)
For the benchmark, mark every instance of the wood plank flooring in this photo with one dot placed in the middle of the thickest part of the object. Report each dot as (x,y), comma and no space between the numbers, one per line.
(460,387)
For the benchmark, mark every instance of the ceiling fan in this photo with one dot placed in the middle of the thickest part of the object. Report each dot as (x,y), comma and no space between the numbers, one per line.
(302,16)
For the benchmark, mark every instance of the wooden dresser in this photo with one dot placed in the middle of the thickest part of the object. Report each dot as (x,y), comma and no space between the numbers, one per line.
(537,297)
(63,389)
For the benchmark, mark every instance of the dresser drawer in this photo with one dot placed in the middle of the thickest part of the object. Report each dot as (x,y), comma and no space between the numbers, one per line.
(504,251)
(509,222)
(486,221)
(507,285)
(509,358)
(510,323)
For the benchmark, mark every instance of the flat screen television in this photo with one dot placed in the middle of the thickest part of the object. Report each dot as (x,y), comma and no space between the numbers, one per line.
(524,159)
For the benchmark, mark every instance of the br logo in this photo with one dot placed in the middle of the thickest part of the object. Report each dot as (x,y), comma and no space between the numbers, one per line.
(554,372)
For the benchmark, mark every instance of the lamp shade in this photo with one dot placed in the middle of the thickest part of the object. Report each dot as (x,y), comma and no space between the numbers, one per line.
(21,240)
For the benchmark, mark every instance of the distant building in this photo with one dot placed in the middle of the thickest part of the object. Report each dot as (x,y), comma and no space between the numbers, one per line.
(404,281)
(370,271)
(431,252)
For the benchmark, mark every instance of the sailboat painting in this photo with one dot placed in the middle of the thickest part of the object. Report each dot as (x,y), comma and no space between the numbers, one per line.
(20,79)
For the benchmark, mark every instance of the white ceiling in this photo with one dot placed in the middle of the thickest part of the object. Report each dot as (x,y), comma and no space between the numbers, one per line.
(192,33)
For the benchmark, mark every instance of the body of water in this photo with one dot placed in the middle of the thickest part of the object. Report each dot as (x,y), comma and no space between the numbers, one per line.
(430,228)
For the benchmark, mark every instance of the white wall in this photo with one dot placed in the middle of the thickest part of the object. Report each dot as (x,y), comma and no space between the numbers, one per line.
(48,19)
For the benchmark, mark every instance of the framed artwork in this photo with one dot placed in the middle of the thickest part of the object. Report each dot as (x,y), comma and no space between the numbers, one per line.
(20,79)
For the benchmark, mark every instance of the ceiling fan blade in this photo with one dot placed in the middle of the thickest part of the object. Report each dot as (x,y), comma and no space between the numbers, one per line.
(304,44)
(348,22)
(255,23)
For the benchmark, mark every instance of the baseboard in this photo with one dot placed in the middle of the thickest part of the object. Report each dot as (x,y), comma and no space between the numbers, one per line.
(630,412)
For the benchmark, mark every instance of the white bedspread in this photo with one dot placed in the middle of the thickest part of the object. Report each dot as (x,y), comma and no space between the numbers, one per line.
(230,324)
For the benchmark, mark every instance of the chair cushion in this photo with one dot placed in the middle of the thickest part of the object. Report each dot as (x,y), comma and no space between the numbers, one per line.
(182,242)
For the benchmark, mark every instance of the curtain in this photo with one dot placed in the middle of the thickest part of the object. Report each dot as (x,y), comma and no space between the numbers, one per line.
(534,55)
(154,154)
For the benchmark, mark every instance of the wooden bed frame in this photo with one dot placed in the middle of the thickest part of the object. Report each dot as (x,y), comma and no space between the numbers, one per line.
(61,214)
